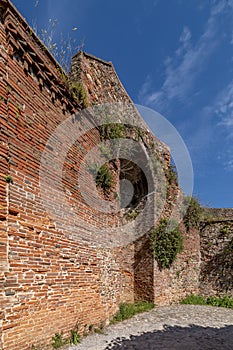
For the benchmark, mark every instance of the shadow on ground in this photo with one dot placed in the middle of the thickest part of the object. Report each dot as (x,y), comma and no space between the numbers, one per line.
(178,338)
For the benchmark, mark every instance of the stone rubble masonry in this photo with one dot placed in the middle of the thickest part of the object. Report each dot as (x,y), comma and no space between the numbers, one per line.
(217,253)
(50,280)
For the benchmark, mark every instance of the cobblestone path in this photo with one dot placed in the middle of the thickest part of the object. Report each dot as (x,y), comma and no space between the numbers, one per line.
(181,327)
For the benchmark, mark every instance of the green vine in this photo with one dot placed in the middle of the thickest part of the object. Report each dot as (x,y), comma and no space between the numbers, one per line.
(166,243)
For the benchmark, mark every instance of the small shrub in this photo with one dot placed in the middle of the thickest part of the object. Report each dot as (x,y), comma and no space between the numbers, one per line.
(104,178)
(9,179)
(171,175)
(79,92)
(75,337)
(194,300)
(110,130)
(128,310)
(132,215)
(166,244)
(139,133)
(225,301)
(194,212)
(225,230)
(58,341)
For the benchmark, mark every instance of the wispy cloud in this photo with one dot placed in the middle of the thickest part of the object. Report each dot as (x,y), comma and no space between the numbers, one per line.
(229,165)
(224,108)
(221,112)
(184,67)
(225,157)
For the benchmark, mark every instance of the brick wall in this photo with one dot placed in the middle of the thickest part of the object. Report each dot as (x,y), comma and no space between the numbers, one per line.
(49,280)
(3,172)
(57,267)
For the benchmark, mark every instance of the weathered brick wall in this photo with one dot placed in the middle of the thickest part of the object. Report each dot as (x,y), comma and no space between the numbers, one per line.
(49,281)
(3,172)
(53,271)
(182,278)
(102,85)
(217,253)
(168,286)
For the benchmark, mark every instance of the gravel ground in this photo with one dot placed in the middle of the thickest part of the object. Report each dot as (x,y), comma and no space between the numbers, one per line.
(181,327)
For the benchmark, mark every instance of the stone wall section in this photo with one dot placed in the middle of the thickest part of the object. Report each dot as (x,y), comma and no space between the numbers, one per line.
(217,253)
(182,279)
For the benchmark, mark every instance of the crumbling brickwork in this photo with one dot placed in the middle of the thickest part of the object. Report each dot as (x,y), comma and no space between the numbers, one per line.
(53,274)
(48,281)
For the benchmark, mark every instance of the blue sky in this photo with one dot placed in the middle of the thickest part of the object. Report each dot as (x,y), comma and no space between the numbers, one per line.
(174,56)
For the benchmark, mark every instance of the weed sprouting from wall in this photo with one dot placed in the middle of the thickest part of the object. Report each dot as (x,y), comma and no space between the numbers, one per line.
(60,46)
(104,178)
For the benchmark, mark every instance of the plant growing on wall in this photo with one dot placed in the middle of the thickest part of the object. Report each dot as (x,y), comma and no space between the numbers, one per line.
(9,179)
(194,212)
(58,340)
(171,175)
(104,178)
(62,48)
(79,93)
(110,130)
(75,337)
(166,243)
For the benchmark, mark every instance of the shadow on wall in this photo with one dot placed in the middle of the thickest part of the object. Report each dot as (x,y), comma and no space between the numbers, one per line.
(178,338)
(218,271)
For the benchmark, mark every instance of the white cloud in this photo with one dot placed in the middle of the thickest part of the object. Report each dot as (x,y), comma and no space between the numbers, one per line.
(185,36)
(183,68)
(224,108)
(229,165)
